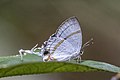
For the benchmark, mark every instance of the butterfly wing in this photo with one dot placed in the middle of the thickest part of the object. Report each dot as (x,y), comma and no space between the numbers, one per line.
(70,30)
(67,38)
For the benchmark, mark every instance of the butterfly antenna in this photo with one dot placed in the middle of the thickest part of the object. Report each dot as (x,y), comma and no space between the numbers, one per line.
(86,45)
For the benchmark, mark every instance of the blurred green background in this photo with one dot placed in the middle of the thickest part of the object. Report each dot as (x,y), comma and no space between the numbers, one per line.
(23,23)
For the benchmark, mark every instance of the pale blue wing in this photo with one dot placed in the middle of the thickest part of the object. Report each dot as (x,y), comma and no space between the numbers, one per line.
(69,26)
(63,47)
(70,30)
(67,39)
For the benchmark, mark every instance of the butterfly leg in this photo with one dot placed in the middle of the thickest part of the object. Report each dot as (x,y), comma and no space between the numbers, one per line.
(34,48)
(78,60)
(23,52)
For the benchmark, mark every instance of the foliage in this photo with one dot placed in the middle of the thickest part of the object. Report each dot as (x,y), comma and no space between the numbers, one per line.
(32,64)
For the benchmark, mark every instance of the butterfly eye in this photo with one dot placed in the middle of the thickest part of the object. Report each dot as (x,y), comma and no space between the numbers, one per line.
(45,60)
(46,52)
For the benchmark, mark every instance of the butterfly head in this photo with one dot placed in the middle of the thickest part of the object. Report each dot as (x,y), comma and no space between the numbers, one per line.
(46,56)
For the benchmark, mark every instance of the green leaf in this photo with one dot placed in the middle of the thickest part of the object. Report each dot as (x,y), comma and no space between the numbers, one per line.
(32,64)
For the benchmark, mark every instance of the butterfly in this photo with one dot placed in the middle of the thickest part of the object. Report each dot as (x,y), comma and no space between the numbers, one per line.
(65,44)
